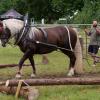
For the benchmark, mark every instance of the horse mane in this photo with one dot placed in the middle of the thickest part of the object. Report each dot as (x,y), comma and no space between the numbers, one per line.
(33,31)
(14,25)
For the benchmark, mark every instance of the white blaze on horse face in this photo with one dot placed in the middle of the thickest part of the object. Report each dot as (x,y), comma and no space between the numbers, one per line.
(14,25)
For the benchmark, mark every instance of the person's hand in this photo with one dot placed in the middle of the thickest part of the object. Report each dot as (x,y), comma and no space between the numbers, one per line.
(85,30)
(97,31)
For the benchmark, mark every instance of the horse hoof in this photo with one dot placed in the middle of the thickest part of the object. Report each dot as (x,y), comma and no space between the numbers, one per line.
(71,72)
(33,75)
(18,76)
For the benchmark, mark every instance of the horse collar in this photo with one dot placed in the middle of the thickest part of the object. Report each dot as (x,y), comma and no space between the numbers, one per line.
(23,32)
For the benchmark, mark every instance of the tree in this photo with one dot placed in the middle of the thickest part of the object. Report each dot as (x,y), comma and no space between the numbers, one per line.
(6,4)
(89,12)
(49,9)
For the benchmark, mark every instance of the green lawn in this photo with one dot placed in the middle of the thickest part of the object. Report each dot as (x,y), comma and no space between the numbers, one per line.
(58,66)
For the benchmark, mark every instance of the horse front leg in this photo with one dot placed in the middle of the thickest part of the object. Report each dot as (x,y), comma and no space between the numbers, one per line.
(33,66)
(25,56)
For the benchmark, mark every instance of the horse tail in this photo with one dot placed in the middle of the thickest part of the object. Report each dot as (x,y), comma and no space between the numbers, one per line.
(78,53)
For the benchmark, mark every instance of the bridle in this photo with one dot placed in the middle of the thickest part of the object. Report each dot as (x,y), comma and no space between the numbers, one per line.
(1,27)
(23,33)
(19,37)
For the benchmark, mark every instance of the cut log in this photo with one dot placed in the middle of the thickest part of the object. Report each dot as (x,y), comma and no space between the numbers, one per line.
(12,90)
(30,93)
(55,81)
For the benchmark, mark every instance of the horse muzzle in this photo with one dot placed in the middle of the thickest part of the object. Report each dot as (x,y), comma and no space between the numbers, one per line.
(4,45)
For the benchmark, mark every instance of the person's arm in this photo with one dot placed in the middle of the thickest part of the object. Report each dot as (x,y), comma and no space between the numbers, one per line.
(97,31)
(87,32)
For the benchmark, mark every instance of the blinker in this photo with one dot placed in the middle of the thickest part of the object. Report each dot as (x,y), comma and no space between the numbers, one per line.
(1,30)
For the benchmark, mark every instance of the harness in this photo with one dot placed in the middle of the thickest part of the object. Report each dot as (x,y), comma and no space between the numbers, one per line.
(44,33)
(46,36)
(69,38)
(24,30)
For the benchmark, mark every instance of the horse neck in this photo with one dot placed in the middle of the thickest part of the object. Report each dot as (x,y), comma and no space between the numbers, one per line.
(14,25)
(33,32)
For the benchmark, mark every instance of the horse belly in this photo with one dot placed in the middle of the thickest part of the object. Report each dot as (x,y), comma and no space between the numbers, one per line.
(45,49)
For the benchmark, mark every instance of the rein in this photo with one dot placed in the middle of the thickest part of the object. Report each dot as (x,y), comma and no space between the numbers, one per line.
(69,37)
(52,45)
(23,33)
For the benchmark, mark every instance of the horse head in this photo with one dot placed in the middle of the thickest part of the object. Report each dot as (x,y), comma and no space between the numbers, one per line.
(11,27)
(5,36)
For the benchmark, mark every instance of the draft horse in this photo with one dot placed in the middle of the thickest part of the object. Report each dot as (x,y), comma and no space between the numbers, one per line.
(32,40)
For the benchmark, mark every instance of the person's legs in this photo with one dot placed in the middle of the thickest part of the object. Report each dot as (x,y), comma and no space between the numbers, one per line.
(93,50)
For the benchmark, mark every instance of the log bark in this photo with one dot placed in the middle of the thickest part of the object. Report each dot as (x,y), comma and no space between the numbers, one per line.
(12,90)
(12,65)
(28,93)
(55,81)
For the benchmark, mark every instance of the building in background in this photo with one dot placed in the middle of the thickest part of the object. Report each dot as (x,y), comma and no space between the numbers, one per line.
(11,14)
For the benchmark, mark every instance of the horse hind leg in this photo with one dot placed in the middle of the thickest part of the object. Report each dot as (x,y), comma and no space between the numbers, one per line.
(45,59)
(72,58)
(72,64)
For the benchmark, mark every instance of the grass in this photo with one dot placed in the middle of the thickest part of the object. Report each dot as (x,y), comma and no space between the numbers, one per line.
(58,66)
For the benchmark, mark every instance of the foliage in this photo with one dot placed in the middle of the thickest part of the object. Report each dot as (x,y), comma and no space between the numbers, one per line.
(49,9)
(89,12)
(52,10)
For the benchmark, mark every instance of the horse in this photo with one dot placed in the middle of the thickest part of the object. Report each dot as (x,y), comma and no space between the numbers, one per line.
(33,40)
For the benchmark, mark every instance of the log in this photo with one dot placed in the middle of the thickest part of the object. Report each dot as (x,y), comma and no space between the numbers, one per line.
(12,65)
(30,93)
(54,81)
(12,90)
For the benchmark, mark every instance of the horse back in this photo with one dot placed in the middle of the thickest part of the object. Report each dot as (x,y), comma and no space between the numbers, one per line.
(59,35)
